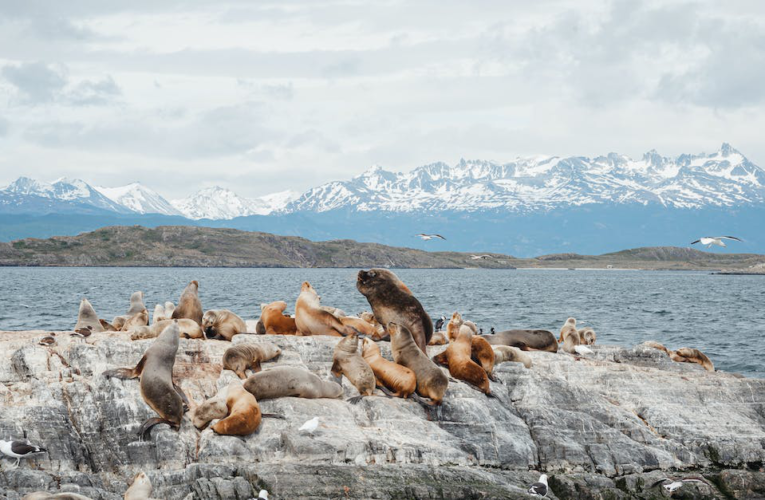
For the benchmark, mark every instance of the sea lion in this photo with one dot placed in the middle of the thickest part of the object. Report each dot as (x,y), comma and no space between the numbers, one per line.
(222,324)
(691,355)
(243,412)
(525,340)
(570,340)
(44,495)
(140,489)
(108,327)
(274,321)
(334,311)
(347,361)
(472,326)
(139,319)
(655,345)
(370,318)
(431,381)
(159,314)
(119,321)
(136,303)
(87,317)
(189,305)
(283,381)
(189,329)
(462,367)
(453,327)
(568,327)
(393,302)
(393,379)
(438,338)
(311,319)
(211,409)
(481,352)
(361,326)
(503,353)
(169,308)
(155,371)
(242,357)
(260,329)
(587,336)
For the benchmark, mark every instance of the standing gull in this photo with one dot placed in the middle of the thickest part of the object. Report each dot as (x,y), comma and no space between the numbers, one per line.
(427,237)
(539,488)
(715,240)
(19,449)
(310,426)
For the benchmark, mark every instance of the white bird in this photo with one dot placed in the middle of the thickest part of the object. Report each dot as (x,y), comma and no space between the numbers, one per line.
(310,426)
(263,495)
(715,240)
(582,350)
(427,237)
(19,449)
(676,484)
(480,257)
(539,488)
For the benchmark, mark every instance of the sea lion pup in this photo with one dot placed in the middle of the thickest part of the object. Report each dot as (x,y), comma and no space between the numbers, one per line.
(159,314)
(438,338)
(242,357)
(108,327)
(311,319)
(393,379)
(503,353)
(525,340)
(222,324)
(136,303)
(274,321)
(243,412)
(568,327)
(587,336)
(655,345)
(189,329)
(431,381)
(87,317)
(155,371)
(347,361)
(393,302)
(691,355)
(189,305)
(139,319)
(283,381)
(462,367)
(140,489)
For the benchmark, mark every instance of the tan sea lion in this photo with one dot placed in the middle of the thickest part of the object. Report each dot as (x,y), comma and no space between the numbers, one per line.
(242,357)
(453,327)
(284,381)
(189,329)
(370,318)
(438,338)
(525,340)
(108,327)
(44,495)
(570,340)
(274,321)
(243,413)
(189,305)
(334,311)
(222,324)
(87,317)
(393,302)
(503,353)
(655,345)
(119,321)
(361,326)
(587,336)
(140,489)
(155,371)
(211,409)
(347,361)
(311,319)
(136,303)
(568,327)
(462,367)
(159,314)
(139,319)
(393,379)
(169,308)
(431,381)
(691,355)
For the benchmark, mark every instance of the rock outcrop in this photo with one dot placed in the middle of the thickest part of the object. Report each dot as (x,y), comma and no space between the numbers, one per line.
(604,426)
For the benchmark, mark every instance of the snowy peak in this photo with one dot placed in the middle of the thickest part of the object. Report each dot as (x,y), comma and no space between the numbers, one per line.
(26,195)
(139,199)
(220,203)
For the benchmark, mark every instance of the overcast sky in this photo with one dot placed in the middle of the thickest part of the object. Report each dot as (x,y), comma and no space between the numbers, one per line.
(290,94)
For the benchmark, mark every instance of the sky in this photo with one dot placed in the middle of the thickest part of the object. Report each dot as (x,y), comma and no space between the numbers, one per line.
(265,96)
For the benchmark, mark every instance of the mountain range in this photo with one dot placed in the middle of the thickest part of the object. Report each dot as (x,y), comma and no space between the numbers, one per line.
(541,204)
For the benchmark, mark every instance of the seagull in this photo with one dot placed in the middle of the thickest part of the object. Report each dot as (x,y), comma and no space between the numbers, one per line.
(675,485)
(440,323)
(539,488)
(49,340)
(310,426)
(263,495)
(715,240)
(480,257)
(582,350)
(427,237)
(19,449)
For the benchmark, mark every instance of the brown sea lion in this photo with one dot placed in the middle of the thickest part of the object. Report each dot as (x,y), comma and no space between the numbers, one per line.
(243,413)
(347,361)
(260,329)
(155,370)
(311,319)
(242,357)
(481,352)
(140,489)
(393,302)
(568,327)
(454,325)
(284,381)
(189,329)
(274,321)
(503,353)
(393,379)
(691,355)
(189,305)
(525,340)
(222,324)
(438,338)
(462,367)
(431,381)
(141,318)
(136,303)
(587,336)
(87,317)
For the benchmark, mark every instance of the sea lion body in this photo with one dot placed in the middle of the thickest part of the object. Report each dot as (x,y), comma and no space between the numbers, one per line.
(369,317)
(587,336)
(189,305)
(311,319)
(453,327)
(136,303)
(691,355)
(243,413)
(568,327)
(284,381)
(503,353)
(188,329)
(570,341)
(431,381)
(361,326)
(119,321)
(438,338)
(393,302)
(334,311)
(87,317)
(347,361)
(140,318)
(400,380)
(242,357)
(534,340)
(140,489)
(274,321)
(482,353)
(159,314)
(222,324)
(655,345)
(462,367)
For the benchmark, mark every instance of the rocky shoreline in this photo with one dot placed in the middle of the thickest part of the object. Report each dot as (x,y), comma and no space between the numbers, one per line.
(605,426)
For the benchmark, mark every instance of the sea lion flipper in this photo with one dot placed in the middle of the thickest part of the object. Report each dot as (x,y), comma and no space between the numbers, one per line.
(183,397)
(146,427)
(386,391)
(121,373)
(256,366)
(139,367)
(337,371)
(355,400)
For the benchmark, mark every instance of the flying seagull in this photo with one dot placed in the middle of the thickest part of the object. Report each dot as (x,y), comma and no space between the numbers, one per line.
(480,257)
(539,488)
(427,237)
(310,426)
(675,484)
(19,449)
(715,240)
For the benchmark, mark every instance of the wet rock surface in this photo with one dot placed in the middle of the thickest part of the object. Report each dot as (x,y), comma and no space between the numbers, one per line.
(608,425)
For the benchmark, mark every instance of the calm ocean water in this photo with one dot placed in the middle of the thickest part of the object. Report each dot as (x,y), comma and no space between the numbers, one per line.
(721,315)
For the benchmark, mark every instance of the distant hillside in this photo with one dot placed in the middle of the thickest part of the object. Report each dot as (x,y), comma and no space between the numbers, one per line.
(188,246)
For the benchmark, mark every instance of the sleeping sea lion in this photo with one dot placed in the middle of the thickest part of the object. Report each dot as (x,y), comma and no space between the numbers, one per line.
(283,381)
(361,326)
(141,318)
(242,357)
(189,329)
(393,379)
(655,345)
(211,409)
(274,321)
(87,317)
(438,338)
(525,340)
(189,305)
(691,355)
(311,319)
(222,324)
(503,353)
(431,381)
(347,361)
(243,412)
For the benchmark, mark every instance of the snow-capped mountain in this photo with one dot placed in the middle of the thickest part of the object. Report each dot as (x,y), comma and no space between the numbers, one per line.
(219,203)
(139,199)
(27,195)
(723,178)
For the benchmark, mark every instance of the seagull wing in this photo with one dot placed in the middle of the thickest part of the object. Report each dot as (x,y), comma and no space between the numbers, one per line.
(729,238)
(439,236)
(20,448)
(538,489)
(694,242)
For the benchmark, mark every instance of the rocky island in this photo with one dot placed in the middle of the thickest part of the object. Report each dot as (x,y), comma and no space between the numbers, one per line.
(606,426)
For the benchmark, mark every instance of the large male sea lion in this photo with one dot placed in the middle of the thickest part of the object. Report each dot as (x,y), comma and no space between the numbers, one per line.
(503,353)
(393,302)
(243,412)
(393,379)
(155,370)
(222,324)
(274,321)
(87,318)
(526,340)
(347,361)
(311,319)
(189,305)
(242,357)
(140,489)
(189,329)
(283,381)
(431,381)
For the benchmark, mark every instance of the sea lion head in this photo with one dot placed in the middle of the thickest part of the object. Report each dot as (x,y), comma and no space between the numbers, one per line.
(456,318)
(379,281)
(571,321)
(589,336)
(141,480)
(195,283)
(349,343)
(209,321)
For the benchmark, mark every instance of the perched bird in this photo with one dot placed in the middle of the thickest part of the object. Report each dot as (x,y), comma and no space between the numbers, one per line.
(46,341)
(480,257)
(310,426)
(427,237)
(675,484)
(19,449)
(439,323)
(83,332)
(582,350)
(492,331)
(263,495)
(539,488)
(715,240)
